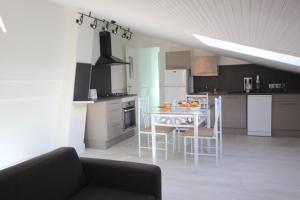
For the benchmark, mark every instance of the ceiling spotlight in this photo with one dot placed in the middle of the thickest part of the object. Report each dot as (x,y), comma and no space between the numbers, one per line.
(124,34)
(129,36)
(105,27)
(80,20)
(115,31)
(94,24)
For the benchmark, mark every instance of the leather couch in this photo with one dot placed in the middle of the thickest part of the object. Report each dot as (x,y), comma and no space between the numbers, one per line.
(61,175)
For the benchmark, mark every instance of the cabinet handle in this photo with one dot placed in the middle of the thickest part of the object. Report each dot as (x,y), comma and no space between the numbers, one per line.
(116,109)
(288,104)
(116,125)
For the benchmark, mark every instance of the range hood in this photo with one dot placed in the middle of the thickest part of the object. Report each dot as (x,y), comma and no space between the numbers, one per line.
(106,57)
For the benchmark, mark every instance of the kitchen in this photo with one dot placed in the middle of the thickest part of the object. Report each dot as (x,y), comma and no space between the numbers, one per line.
(188,72)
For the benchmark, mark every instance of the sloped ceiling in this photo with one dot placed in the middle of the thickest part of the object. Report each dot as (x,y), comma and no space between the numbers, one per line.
(272,25)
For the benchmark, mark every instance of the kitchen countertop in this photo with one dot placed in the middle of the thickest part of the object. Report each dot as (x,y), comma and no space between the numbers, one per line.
(104,99)
(251,93)
(113,98)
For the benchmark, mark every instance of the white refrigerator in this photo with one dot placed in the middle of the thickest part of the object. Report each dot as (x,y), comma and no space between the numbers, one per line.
(177,84)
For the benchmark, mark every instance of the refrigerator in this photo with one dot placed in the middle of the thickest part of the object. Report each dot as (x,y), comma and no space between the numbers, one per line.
(177,84)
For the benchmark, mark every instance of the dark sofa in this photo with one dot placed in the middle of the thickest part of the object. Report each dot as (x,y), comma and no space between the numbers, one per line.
(61,175)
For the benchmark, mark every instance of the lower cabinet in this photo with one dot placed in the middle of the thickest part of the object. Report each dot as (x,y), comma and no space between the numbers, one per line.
(234,113)
(103,124)
(286,115)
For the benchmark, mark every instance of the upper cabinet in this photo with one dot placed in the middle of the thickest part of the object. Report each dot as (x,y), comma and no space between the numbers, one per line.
(178,60)
(205,66)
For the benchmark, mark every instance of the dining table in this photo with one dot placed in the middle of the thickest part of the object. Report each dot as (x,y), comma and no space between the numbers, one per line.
(180,118)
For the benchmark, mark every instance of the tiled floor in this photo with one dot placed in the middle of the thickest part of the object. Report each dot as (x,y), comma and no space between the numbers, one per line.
(260,168)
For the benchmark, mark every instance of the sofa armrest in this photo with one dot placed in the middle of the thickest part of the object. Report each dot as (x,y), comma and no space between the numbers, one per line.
(129,176)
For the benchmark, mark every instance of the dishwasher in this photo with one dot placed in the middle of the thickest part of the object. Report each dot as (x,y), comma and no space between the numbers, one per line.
(259,120)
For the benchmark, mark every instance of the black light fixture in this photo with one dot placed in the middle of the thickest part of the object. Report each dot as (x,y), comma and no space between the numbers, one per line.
(94,24)
(128,35)
(106,25)
(124,34)
(80,20)
(115,31)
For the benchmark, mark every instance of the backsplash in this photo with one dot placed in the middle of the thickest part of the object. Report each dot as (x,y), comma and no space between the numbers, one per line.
(231,78)
(101,79)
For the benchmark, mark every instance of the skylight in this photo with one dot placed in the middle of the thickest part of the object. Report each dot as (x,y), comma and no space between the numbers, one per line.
(2,26)
(252,51)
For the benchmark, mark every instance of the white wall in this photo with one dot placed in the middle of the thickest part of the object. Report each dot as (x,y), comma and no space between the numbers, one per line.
(35,54)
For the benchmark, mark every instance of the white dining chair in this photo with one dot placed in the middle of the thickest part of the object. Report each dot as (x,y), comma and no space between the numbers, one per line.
(214,134)
(144,129)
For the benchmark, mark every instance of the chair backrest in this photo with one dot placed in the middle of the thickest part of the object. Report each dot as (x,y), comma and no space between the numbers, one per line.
(201,99)
(218,117)
(144,112)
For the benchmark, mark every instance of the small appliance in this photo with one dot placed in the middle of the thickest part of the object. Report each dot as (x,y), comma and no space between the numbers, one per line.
(247,84)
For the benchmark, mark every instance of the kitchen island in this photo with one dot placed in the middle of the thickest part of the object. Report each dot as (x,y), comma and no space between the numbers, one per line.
(105,122)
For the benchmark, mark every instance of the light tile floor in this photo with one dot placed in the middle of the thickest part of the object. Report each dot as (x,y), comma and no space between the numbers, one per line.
(256,168)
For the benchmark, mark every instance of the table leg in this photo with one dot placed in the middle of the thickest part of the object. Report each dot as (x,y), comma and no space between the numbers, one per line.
(196,149)
(153,141)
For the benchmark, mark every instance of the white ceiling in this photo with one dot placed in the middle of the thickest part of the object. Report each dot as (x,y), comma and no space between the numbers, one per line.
(272,25)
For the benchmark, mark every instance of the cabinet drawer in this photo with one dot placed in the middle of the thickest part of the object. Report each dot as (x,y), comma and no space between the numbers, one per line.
(286,116)
(114,130)
(113,105)
(234,112)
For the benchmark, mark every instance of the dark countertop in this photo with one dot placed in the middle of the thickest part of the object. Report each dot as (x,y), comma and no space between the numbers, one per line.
(113,98)
(104,99)
(251,93)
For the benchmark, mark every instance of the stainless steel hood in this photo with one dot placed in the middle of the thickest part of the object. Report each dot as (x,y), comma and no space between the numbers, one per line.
(106,57)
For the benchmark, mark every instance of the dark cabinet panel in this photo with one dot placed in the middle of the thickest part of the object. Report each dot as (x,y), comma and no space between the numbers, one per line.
(234,111)
(286,112)
(82,81)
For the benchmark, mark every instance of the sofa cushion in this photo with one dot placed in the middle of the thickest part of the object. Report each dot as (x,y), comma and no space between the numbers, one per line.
(55,175)
(102,193)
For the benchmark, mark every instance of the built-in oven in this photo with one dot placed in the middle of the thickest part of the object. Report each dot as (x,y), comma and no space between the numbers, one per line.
(128,115)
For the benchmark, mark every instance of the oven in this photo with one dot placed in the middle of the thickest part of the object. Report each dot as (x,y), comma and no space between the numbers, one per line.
(128,115)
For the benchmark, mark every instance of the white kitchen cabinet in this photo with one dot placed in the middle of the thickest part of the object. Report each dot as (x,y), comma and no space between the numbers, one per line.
(259,115)
(103,123)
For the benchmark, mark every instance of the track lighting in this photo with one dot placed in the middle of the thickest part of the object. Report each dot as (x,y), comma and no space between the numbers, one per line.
(80,20)
(128,37)
(106,25)
(94,24)
(115,31)
(124,34)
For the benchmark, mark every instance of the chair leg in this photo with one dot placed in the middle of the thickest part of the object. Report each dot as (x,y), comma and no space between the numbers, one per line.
(139,141)
(166,147)
(208,145)
(148,140)
(178,141)
(184,149)
(192,143)
(217,152)
(174,141)
(201,146)
(221,145)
